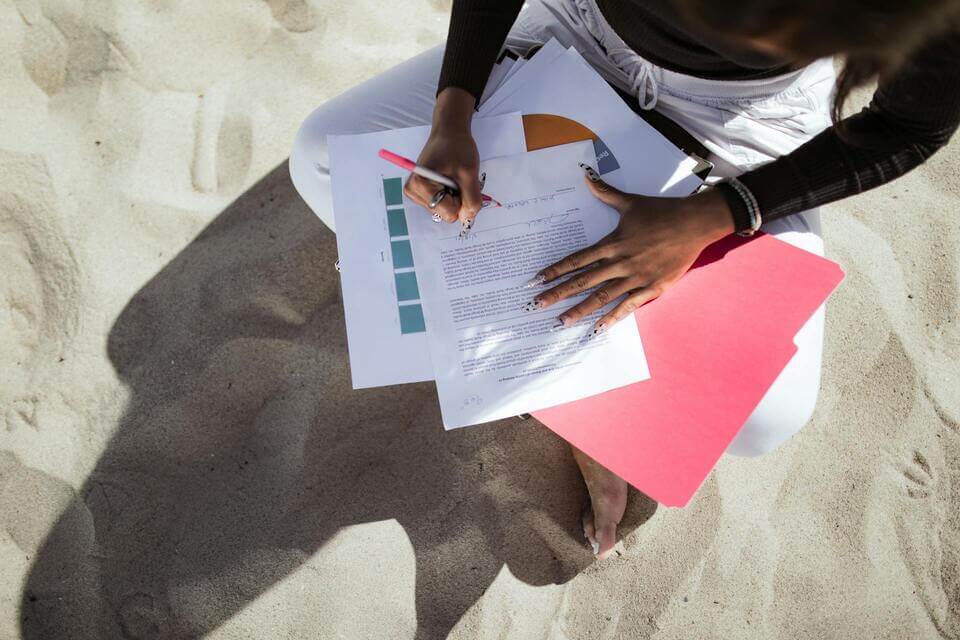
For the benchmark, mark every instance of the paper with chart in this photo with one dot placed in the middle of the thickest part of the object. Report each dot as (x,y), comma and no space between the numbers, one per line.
(491,359)
(631,154)
(386,327)
(379,280)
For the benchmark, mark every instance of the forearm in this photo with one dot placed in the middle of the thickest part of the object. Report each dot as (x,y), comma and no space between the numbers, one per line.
(827,169)
(453,110)
(478,29)
(912,114)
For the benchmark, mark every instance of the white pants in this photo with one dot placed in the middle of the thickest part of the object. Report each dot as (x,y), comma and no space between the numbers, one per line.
(742,123)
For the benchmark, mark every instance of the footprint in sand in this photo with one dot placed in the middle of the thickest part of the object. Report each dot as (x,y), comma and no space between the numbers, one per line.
(39,293)
(918,476)
(45,52)
(223,142)
(42,516)
(293,15)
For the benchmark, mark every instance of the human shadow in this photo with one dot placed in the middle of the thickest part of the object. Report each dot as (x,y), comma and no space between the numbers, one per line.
(243,450)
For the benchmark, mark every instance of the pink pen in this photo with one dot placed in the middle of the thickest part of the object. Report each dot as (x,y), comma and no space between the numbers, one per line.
(429,174)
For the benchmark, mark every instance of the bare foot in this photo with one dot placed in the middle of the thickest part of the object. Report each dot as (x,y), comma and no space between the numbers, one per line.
(608,501)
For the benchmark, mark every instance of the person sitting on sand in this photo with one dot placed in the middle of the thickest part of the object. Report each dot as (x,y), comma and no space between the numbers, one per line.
(753,81)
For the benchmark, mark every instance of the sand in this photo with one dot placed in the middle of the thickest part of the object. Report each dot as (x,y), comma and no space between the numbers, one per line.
(181,453)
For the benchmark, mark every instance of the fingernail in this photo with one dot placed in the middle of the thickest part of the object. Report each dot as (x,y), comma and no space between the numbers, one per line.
(535,281)
(533,305)
(557,325)
(598,329)
(437,218)
(596,547)
(591,174)
(483,179)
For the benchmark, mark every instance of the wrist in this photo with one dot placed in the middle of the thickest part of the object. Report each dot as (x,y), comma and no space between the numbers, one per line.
(454,110)
(711,213)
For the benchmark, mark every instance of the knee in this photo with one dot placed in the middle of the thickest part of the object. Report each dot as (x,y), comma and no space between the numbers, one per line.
(309,165)
(311,139)
(773,424)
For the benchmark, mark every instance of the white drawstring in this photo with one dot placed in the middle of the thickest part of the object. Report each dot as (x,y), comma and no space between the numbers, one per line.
(640,72)
(643,84)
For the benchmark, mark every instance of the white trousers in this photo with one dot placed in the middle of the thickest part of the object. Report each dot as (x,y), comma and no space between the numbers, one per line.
(742,123)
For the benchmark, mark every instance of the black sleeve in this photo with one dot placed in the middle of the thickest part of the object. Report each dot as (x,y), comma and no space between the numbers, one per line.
(478,29)
(911,115)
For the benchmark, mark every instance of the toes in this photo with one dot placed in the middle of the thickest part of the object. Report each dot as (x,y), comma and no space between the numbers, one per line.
(606,538)
(589,531)
(601,536)
(606,509)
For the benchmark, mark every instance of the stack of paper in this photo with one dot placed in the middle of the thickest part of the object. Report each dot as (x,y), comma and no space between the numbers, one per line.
(492,357)
(630,154)
(423,302)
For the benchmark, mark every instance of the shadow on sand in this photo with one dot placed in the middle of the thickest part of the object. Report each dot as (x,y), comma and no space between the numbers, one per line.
(243,450)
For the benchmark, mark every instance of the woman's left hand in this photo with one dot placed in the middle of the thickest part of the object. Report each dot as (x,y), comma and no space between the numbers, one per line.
(653,246)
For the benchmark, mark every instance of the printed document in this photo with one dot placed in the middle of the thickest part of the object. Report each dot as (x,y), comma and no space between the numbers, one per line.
(381,284)
(491,359)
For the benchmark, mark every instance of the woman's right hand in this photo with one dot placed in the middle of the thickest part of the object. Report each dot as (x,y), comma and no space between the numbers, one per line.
(450,150)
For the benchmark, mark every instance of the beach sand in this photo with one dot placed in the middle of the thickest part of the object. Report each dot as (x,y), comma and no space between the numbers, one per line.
(182,455)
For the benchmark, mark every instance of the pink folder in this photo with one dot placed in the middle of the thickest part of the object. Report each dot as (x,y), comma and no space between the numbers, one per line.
(715,342)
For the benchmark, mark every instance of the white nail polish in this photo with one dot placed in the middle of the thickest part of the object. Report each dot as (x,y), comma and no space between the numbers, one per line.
(535,281)
(557,325)
(533,305)
(598,329)
(591,174)
(596,547)
(465,227)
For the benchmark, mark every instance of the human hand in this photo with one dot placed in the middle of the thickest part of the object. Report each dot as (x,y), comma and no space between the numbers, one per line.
(451,151)
(653,246)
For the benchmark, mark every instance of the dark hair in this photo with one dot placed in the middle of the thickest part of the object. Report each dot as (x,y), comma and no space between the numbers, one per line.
(874,37)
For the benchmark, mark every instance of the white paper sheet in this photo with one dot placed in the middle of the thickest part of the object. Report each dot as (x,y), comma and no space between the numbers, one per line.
(491,359)
(497,75)
(381,294)
(525,68)
(515,67)
(632,155)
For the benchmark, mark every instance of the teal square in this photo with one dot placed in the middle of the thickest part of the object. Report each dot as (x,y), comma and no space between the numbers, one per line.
(393,191)
(397,223)
(406,286)
(411,319)
(402,254)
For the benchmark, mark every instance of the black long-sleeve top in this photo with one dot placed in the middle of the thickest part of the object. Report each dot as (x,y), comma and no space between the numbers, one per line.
(912,114)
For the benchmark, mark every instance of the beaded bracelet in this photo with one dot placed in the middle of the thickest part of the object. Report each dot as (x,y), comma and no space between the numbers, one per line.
(753,208)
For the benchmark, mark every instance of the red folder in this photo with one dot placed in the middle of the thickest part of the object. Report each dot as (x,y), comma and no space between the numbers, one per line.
(714,342)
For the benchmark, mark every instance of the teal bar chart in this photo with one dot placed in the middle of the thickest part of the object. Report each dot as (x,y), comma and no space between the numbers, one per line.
(409,309)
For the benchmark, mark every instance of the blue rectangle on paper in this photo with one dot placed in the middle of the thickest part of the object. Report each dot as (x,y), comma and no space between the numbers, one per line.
(402,254)
(605,160)
(397,223)
(393,191)
(411,319)
(406,286)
